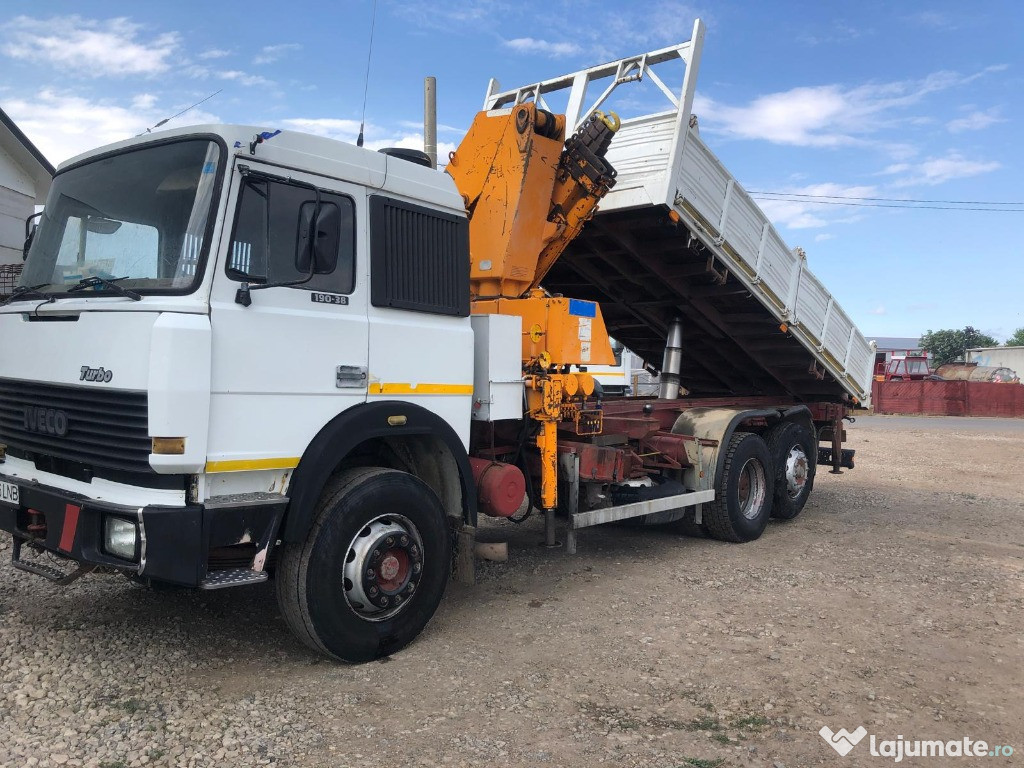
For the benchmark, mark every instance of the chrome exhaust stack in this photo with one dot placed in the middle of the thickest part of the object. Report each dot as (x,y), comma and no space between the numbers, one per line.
(673,361)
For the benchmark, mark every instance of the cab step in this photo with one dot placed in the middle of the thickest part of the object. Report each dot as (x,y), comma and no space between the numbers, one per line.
(232,577)
(48,572)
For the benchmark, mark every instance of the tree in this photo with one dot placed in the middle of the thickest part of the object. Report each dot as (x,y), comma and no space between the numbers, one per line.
(951,345)
(1017,340)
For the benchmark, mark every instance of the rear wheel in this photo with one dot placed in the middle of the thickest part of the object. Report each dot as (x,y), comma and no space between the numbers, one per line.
(743,492)
(795,460)
(372,569)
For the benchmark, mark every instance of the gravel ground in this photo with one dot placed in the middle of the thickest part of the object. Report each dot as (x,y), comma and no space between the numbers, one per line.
(892,602)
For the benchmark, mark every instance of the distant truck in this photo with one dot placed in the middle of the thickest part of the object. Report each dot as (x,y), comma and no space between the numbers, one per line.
(236,352)
(616,380)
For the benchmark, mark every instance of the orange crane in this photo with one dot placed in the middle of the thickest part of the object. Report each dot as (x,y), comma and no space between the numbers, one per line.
(528,193)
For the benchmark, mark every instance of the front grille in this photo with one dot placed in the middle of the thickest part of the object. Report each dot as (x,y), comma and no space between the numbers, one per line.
(105,427)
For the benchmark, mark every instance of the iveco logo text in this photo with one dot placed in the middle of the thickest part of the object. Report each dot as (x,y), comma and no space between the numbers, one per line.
(95,374)
(48,420)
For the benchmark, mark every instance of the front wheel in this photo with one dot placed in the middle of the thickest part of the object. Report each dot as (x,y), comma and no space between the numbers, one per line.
(373,567)
(743,492)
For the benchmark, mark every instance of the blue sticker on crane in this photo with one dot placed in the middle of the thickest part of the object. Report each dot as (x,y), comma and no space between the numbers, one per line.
(582,308)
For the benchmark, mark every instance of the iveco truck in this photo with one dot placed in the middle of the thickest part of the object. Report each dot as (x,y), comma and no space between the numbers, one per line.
(237,353)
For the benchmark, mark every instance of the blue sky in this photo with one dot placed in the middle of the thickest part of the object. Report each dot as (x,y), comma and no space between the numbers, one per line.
(912,101)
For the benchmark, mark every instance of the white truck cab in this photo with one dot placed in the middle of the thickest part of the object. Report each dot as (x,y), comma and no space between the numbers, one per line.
(207,317)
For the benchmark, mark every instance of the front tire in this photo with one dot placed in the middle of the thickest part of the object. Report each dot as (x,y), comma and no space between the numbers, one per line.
(373,567)
(743,493)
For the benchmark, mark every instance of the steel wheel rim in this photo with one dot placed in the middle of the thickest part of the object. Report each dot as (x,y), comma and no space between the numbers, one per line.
(797,472)
(383,567)
(751,489)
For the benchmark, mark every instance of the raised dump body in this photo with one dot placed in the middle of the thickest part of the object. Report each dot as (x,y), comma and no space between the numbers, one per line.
(679,237)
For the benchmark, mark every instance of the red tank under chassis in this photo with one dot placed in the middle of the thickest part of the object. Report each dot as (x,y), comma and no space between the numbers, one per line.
(501,487)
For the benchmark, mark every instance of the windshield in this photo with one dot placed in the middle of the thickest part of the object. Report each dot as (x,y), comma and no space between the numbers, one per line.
(139,217)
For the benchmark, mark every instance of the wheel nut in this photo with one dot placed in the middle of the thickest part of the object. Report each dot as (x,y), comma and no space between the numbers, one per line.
(370,573)
(376,555)
(390,541)
(383,601)
(404,541)
(416,567)
(373,591)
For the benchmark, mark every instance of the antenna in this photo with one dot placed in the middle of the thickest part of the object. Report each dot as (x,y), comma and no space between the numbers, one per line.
(168,119)
(366,80)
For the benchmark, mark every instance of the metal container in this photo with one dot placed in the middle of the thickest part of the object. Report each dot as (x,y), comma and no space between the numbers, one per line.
(973,372)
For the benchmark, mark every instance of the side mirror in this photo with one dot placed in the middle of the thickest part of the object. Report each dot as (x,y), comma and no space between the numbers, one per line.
(318,239)
(31,225)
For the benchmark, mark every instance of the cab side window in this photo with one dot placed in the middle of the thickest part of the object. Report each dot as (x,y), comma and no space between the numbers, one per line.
(274,226)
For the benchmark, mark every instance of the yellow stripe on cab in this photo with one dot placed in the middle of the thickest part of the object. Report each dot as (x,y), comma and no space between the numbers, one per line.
(405,388)
(242,465)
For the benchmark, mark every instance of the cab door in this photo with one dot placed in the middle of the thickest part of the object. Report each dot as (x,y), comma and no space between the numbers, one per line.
(296,356)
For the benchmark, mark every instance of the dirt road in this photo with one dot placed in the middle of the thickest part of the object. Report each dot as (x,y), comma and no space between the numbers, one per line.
(893,602)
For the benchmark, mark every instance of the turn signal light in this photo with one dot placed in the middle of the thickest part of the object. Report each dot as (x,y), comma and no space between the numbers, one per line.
(783,327)
(169,446)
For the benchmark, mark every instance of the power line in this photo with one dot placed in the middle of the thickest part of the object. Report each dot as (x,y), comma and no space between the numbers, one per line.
(884,199)
(913,207)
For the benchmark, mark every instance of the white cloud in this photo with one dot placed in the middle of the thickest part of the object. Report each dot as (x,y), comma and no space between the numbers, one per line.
(271,53)
(415,141)
(879,310)
(801,212)
(533,45)
(143,101)
(609,31)
(244,78)
(441,127)
(648,24)
(828,115)
(64,125)
(376,137)
(214,53)
(792,215)
(937,170)
(823,237)
(88,47)
(332,128)
(894,168)
(975,121)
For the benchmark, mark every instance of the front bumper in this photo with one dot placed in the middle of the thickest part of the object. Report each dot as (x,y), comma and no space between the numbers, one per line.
(174,542)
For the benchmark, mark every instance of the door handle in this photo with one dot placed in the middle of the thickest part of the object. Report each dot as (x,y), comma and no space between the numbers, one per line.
(349,376)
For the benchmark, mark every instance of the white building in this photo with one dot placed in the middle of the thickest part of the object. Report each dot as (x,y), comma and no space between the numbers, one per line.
(24,181)
(998,357)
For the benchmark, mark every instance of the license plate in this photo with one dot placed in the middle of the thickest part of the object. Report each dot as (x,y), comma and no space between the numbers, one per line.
(9,493)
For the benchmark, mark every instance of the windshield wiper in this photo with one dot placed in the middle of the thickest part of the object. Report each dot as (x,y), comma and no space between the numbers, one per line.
(27,292)
(111,284)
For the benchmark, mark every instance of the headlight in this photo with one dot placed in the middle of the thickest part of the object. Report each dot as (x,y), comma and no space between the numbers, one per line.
(120,538)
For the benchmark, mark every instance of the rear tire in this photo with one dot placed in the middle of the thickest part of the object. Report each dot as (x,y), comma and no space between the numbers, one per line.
(794,457)
(373,567)
(743,492)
